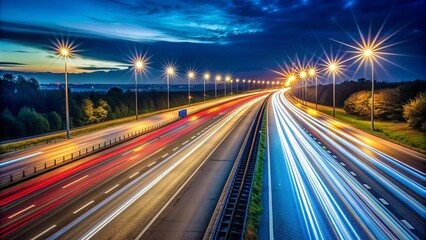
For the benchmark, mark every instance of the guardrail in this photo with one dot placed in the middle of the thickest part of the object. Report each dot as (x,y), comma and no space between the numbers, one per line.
(7,179)
(230,223)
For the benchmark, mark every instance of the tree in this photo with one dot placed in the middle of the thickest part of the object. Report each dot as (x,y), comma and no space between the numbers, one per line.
(88,112)
(10,127)
(55,121)
(388,105)
(415,112)
(34,122)
(358,103)
(101,111)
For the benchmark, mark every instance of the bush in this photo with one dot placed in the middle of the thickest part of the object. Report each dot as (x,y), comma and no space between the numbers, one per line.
(415,112)
(33,121)
(358,103)
(10,127)
(55,121)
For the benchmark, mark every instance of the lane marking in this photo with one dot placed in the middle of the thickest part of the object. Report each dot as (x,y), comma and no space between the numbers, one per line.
(19,159)
(319,143)
(151,164)
(406,223)
(109,190)
(78,180)
(165,155)
(271,219)
(176,148)
(328,151)
(23,210)
(334,156)
(353,174)
(192,137)
(124,154)
(134,157)
(134,174)
(42,233)
(383,201)
(343,164)
(366,186)
(198,134)
(185,142)
(87,204)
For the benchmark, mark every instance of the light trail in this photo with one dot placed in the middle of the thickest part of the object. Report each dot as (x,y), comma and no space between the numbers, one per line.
(332,202)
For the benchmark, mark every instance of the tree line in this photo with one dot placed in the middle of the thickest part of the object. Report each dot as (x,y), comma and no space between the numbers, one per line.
(27,110)
(401,101)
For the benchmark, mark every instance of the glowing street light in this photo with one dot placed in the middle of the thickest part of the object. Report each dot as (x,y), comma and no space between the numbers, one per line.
(302,75)
(191,76)
(333,67)
(65,52)
(313,74)
(238,80)
(170,72)
(139,66)
(206,78)
(227,79)
(217,79)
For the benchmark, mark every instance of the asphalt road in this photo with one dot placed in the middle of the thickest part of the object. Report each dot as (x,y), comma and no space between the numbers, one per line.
(329,180)
(116,193)
(17,161)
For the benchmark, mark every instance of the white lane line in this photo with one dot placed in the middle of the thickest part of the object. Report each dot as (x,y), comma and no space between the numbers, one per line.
(192,137)
(328,151)
(109,190)
(151,164)
(334,156)
(185,142)
(87,204)
(271,219)
(353,174)
(78,180)
(174,149)
(319,143)
(383,201)
(134,174)
(134,157)
(165,155)
(343,164)
(42,233)
(124,154)
(19,159)
(366,186)
(315,139)
(406,223)
(23,210)
(198,134)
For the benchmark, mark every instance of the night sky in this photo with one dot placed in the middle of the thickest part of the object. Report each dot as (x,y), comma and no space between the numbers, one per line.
(247,39)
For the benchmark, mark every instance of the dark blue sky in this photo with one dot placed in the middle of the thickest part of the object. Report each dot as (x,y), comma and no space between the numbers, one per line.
(248,39)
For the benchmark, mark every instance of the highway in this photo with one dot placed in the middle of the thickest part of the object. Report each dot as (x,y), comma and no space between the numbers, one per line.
(119,192)
(20,160)
(329,180)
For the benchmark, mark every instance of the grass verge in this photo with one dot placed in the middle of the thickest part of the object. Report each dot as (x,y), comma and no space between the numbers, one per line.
(397,132)
(255,207)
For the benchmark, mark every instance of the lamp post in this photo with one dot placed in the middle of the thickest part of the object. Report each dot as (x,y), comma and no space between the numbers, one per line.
(191,75)
(238,80)
(244,83)
(332,67)
(369,54)
(227,79)
(66,52)
(303,75)
(232,84)
(312,74)
(217,79)
(139,65)
(206,78)
(170,72)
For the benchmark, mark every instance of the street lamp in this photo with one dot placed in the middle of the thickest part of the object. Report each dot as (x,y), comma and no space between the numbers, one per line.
(227,79)
(312,74)
(238,80)
(333,67)
(170,72)
(139,65)
(218,79)
(232,84)
(206,78)
(65,52)
(191,75)
(303,75)
(244,83)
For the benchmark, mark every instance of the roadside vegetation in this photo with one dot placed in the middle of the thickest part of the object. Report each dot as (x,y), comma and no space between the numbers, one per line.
(27,110)
(255,207)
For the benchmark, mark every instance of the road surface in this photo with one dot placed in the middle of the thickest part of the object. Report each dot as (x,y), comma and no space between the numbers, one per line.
(116,193)
(329,180)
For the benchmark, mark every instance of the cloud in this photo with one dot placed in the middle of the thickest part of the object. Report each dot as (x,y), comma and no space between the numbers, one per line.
(11,64)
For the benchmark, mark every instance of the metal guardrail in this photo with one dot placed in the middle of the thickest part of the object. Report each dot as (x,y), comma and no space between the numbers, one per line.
(231,221)
(7,179)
